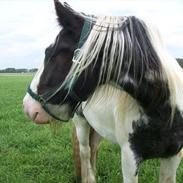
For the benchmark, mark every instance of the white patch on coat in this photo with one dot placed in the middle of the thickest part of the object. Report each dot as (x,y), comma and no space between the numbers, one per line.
(35,82)
(168,169)
(61,111)
(112,116)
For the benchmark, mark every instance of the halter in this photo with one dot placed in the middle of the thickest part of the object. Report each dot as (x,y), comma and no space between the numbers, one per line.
(43,99)
(84,34)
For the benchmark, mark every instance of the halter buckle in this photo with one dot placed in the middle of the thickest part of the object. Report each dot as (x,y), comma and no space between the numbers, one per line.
(76,56)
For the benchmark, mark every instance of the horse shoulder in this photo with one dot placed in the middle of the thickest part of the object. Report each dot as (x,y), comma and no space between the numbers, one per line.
(111,112)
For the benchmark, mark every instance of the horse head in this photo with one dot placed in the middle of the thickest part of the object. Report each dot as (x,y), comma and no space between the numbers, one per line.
(44,93)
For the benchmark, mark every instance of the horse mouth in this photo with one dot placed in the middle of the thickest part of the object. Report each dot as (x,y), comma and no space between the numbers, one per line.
(34,116)
(38,119)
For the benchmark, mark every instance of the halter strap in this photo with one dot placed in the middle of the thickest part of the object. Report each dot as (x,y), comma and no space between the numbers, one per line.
(43,102)
(84,35)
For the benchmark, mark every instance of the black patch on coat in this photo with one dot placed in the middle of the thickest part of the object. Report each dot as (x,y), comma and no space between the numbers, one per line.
(157,138)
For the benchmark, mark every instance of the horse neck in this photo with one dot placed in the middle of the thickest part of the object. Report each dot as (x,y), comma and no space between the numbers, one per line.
(150,76)
(157,95)
(151,95)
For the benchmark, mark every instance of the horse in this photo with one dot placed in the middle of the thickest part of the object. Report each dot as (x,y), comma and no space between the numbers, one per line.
(112,74)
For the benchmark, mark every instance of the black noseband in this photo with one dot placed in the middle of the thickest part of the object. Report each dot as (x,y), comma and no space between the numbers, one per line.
(43,103)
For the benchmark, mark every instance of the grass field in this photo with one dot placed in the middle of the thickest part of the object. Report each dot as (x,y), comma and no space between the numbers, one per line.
(29,153)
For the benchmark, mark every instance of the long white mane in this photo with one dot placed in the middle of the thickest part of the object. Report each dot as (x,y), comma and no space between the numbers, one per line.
(110,36)
(103,34)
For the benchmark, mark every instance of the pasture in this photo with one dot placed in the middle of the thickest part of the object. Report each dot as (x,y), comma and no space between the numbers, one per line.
(31,153)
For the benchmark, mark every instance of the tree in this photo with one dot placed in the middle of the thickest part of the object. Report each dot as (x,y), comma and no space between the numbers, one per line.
(180,61)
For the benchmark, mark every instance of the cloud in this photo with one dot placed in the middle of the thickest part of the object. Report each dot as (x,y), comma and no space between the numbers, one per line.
(30,26)
(26,31)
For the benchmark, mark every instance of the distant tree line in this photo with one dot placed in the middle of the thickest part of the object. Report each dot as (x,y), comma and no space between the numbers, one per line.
(13,70)
(180,61)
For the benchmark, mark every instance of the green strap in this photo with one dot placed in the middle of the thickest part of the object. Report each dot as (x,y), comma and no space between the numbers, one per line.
(52,115)
(35,96)
(43,104)
(83,36)
(84,33)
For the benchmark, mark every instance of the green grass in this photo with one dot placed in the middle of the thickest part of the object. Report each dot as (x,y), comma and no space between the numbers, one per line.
(29,153)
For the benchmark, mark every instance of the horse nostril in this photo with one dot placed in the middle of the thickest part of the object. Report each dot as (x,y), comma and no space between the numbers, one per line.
(35,115)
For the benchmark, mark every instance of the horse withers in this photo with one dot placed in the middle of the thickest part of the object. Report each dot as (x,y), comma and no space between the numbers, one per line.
(114,75)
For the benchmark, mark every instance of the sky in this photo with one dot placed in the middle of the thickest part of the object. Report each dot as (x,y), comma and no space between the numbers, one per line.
(27,27)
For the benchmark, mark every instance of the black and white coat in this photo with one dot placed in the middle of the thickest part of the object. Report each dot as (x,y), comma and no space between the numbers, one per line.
(139,107)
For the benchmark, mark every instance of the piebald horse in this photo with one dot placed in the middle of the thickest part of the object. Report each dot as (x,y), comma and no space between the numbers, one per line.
(112,74)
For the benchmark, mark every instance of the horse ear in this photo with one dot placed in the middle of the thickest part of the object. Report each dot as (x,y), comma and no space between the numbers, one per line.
(66,16)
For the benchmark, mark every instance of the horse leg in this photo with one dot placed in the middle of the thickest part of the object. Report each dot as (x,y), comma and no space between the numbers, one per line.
(83,132)
(95,139)
(129,165)
(168,169)
(76,154)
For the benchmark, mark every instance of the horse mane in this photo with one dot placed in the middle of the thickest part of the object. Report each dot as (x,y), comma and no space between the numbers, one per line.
(129,48)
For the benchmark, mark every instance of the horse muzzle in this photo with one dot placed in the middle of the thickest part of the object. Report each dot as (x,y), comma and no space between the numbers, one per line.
(34,110)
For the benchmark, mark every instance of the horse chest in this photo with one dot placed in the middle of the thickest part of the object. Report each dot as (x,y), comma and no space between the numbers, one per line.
(101,118)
